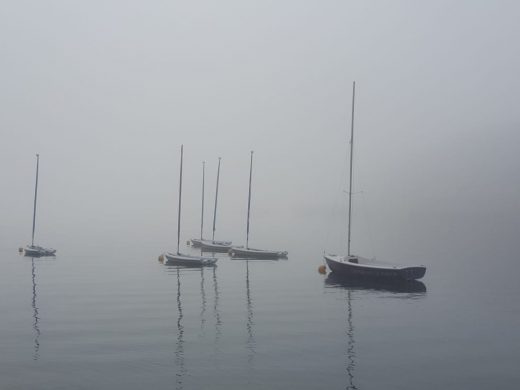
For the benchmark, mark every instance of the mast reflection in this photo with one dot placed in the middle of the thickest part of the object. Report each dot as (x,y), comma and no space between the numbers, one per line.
(216,312)
(203,298)
(35,313)
(351,355)
(251,344)
(206,309)
(179,350)
(405,289)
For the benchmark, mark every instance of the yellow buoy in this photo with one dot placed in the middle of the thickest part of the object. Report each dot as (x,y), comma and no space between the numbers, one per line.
(322,269)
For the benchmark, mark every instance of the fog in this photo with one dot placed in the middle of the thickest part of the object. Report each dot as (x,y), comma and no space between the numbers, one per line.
(107,91)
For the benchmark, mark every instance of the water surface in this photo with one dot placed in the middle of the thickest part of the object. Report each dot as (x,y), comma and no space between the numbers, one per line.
(114,317)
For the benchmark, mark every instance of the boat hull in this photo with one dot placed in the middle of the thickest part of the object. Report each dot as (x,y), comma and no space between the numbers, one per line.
(215,246)
(38,251)
(188,261)
(196,242)
(256,253)
(341,267)
(211,245)
(393,285)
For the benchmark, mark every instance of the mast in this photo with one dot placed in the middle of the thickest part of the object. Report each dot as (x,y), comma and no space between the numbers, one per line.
(180,199)
(202,212)
(35,197)
(249,199)
(351,160)
(216,197)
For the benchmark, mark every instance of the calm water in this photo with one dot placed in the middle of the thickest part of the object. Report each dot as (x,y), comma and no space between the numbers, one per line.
(113,317)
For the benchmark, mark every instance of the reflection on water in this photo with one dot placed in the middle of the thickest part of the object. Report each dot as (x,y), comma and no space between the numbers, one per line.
(183,317)
(351,362)
(179,350)
(216,313)
(397,287)
(35,314)
(250,320)
(203,297)
(403,290)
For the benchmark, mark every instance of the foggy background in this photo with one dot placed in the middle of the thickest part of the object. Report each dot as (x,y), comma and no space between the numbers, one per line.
(107,91)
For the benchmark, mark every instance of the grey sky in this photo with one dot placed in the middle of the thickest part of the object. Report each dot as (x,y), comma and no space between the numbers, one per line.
(106,91)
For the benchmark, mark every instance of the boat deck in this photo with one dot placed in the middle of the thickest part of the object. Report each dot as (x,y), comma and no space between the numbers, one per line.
(365,262)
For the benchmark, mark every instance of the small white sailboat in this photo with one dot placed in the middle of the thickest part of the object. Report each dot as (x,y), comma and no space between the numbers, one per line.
(196,242)
(210,245)
(178,258)
(216,245)
(36,250)
(361,267)
(247,252)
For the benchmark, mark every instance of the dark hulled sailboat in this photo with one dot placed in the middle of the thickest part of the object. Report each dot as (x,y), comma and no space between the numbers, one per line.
(357,266)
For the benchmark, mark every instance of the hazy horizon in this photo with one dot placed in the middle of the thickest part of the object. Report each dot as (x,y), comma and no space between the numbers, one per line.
(106,92)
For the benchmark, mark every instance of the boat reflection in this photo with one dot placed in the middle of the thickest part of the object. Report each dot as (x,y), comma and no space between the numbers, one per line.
(410,286)
(216,312)
(400,289)
(179,347)
(351,362)
(36,317)
(203,298)
(251,344)
(187,275)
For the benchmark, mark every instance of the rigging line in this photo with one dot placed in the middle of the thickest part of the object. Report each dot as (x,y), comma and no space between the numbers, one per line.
(368,225)
(202,206)
(35,198)
(249,199)
(339,205)
(180,203)
(216,198)
(351,164)
(348,156)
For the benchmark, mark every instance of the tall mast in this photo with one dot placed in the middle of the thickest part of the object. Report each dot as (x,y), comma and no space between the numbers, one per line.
(180,199)
(216,197)
(35,197)
(202,212)
(249,199)
(351,160)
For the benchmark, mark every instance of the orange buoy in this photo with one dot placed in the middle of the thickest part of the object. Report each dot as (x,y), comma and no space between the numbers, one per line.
(322,269)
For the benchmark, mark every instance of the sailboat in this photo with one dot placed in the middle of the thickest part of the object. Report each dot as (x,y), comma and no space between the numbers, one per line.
(35,250)
(195,242)
(248,252)
(356,266)
(210,245)
(183,259)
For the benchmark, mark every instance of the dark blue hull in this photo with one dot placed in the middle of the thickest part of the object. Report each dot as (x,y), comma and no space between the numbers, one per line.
(381,273)
(361,283)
